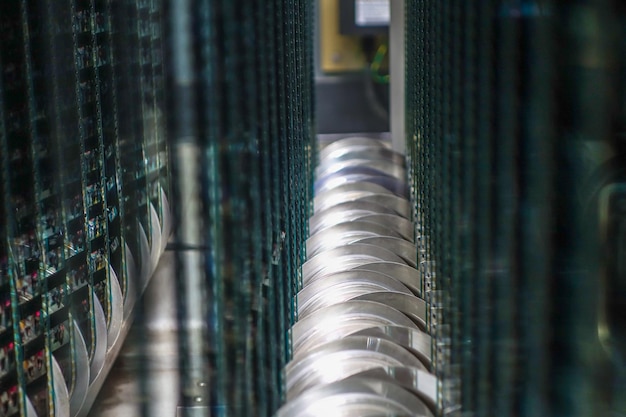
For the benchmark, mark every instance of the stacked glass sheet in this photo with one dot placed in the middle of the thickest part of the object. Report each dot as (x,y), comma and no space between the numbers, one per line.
(515,124)
(83,192)
(241,114)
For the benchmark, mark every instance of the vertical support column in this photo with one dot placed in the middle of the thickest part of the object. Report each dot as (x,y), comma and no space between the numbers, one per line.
(190,260)
(396,68)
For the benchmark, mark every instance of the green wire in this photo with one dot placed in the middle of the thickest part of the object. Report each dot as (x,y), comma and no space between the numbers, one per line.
(375,65)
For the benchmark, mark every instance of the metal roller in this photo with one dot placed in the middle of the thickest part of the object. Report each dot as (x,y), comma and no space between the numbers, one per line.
(347,191)
(400,247)
(359,311)
(344,286)
(372,153)
(351,141)
(383,167)
(402,272)
(398,204)
(332,198)
(355,397)
(414,307)
(341,359)
(344,258)
(341,320)
(417,341)
(344,212)
(345,233)
(424,384)
(399,224)
(358,175)
(352,186)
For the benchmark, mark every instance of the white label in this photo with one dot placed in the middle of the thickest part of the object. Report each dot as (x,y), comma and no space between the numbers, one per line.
(371,12)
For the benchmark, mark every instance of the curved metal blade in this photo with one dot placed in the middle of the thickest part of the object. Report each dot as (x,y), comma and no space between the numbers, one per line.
(344,258)
(402,248)
(414,307)
(341,359)
(417,341)
(401,225)
(344,212)
(351,141)
(343,286)
(374,153)
(345,233)
(384,167)
(398,204)
(355,175)
(400,271)
(340,320)
(355,396)
(424,384)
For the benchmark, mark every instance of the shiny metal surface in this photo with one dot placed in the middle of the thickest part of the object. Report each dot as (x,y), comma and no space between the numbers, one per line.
(414,307)
(417,341)
(146,258)
(399,270)
(401,225)
(100,336)
(343,286)
(166,220)
(344,212)
(116,301)
(332,198)
(348,142)
(359,317)
(344,258)
(61,395)
(341,359)
(352,186)
(406,250)
(399,205)
(30,409)
(364,152)
(81,373)
(147,364)
(355,397)
(357,175)
(424,384)
(384,167)
(155,245)
(132,290)
(340,320)
(345,233)
(348,192)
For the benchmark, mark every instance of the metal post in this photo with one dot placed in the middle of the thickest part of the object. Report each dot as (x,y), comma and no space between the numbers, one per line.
(396,66)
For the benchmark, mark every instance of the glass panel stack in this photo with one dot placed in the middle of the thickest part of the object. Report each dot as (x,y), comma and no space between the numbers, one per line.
(84,184)
(241,119)
(515,127)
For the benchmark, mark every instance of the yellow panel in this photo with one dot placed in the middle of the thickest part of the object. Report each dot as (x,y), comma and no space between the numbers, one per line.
(339,53)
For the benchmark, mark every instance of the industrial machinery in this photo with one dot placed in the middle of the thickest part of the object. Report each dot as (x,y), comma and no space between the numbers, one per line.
(468,263)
